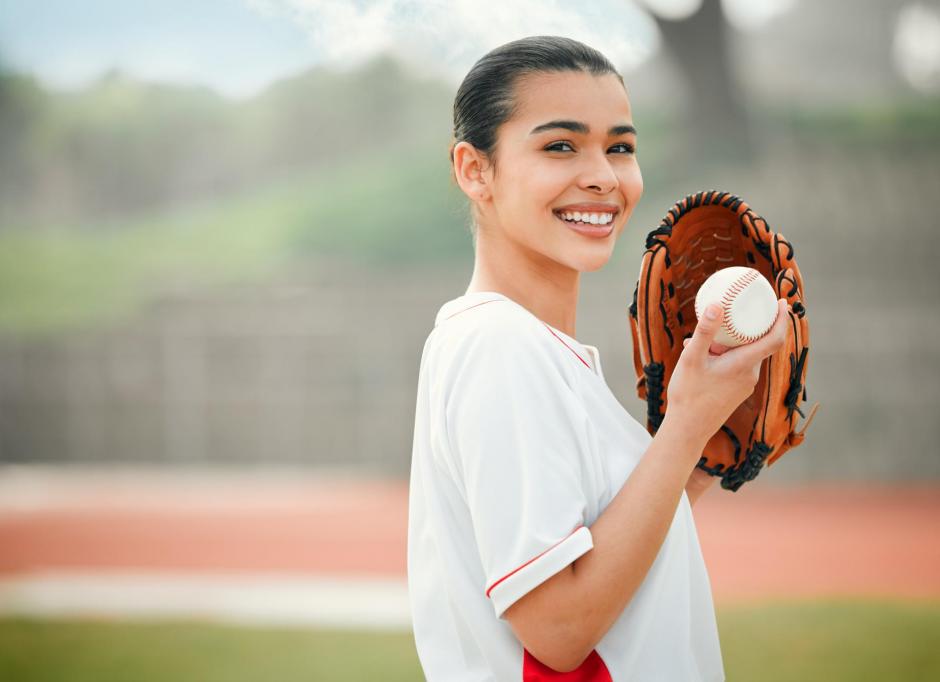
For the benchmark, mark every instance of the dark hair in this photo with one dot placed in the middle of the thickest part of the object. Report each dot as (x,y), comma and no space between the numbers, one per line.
(485,99)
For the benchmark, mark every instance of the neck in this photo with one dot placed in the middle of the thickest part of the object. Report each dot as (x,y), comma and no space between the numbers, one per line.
(546,288)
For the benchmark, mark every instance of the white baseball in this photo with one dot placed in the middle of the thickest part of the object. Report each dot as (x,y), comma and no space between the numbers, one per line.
(747,300)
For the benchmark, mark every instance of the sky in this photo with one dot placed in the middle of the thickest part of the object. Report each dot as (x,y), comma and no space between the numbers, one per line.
(239,46)
(223,43)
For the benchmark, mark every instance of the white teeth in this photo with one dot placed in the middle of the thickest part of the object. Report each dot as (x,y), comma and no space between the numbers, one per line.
(589,218)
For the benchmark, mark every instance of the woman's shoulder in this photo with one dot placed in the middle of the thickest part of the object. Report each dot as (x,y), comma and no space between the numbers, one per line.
(487,320)
(497,336)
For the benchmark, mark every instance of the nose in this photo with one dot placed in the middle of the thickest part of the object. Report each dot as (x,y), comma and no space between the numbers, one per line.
(598,175)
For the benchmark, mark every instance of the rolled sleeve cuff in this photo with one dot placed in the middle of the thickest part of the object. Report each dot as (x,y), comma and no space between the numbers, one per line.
(512,586)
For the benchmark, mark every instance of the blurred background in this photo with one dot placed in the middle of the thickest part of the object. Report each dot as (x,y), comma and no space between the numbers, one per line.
(225,230)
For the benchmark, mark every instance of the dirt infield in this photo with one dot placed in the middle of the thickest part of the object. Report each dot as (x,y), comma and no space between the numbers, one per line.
(764,542)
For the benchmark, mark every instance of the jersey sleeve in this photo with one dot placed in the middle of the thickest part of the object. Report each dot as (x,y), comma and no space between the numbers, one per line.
(519,434)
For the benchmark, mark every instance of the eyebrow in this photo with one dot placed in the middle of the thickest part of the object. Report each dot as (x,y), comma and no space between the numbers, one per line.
(583,128)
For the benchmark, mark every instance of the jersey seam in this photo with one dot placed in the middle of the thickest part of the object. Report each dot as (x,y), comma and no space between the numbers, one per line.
(529,313)
(532,560)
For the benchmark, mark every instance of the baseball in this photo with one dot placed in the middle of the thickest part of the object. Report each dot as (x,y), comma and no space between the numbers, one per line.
(747,300)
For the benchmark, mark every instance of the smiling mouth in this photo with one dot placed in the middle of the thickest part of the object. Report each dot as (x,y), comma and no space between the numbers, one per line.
(587,219)
(588,229)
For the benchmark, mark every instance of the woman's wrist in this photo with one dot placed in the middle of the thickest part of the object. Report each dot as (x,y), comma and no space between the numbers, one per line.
(685,436)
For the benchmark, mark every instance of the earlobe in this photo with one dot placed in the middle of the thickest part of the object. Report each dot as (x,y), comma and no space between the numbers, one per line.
(468,170)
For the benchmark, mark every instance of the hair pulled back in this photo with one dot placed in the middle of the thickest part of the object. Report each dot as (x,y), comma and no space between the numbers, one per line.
(485,99)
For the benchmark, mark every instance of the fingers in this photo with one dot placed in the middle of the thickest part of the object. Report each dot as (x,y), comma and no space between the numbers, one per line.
(714,349)
(705,330)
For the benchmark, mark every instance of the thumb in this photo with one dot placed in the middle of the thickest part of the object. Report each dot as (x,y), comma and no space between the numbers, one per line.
(705,330)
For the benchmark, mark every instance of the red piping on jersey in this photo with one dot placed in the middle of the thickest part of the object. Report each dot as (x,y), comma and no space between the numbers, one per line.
(497,300)
(516,570)
(566,345)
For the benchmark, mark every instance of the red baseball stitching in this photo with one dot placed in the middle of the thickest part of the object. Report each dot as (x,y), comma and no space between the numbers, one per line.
(733,291)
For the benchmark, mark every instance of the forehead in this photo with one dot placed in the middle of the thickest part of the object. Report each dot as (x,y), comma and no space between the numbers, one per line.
(599,101)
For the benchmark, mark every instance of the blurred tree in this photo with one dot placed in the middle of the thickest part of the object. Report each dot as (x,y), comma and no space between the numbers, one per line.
(700,44)
(121,147)
(22,104)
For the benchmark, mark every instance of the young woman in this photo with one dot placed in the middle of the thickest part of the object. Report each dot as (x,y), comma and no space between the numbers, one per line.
(548,532)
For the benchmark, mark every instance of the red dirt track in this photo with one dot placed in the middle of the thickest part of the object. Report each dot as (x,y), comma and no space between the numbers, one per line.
(763,542)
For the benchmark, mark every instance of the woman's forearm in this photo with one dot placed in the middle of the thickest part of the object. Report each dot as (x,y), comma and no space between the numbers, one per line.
(631,531)
(694,492)
(699,481)
(569,613)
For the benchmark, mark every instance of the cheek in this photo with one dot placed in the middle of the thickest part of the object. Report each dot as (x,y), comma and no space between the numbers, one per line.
(537,189)
(632,182)
(547,183)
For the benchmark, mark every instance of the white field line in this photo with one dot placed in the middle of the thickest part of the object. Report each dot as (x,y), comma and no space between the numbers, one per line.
(32,488)
(268,600)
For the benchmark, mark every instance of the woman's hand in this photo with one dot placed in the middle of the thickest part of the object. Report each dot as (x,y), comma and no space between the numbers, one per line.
(714,349)
(710,381)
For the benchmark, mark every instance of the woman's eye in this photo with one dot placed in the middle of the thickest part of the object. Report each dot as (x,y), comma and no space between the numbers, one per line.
(622,148)
(626,148)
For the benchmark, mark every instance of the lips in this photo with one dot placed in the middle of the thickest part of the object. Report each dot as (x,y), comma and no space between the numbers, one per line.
(586,229)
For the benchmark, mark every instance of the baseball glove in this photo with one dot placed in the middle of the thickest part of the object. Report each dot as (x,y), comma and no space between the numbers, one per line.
(700,234)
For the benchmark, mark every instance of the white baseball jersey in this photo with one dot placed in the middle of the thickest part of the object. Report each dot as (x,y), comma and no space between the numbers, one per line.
(519,446)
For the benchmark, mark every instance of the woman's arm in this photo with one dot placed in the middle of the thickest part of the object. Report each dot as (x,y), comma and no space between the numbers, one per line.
(699,481)
(560,621)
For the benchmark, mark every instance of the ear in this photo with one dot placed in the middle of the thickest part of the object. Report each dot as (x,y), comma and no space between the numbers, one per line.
(470,165)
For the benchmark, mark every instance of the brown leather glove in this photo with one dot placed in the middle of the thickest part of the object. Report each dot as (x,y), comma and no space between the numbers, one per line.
(702,233)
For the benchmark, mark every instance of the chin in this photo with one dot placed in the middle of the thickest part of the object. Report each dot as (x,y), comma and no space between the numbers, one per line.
(594,265)
(590,262)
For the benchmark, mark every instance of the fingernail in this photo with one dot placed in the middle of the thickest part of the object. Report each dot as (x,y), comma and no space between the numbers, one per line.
(711,312)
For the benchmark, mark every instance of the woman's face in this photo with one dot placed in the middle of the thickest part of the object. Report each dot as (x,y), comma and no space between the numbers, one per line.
(567,177)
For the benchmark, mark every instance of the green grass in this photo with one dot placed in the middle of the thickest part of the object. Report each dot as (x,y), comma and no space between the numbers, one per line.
(31,651)
(827,641)
(862,641)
